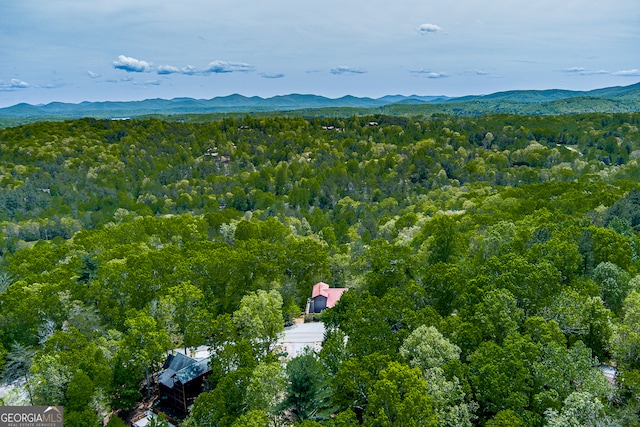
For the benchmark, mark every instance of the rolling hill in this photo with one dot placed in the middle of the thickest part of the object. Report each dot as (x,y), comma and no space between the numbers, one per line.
(529,102)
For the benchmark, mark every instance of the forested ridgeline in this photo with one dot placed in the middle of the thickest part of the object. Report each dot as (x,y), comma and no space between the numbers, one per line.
(492,264)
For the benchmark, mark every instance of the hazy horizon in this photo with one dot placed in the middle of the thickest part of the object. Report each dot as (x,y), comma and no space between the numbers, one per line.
(116,50)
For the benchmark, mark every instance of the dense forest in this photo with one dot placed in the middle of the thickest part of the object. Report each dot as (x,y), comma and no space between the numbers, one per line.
(492,263)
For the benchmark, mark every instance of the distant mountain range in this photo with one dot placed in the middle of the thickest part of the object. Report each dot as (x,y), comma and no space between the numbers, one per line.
(555,101)
(231,103)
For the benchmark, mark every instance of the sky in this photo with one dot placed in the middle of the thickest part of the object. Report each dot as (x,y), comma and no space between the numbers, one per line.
(125,50)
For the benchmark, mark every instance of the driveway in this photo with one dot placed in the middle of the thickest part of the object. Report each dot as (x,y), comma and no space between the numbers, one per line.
(302,335)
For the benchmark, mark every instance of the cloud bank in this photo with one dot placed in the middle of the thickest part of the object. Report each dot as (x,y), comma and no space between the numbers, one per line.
(148,83)
(429,74)
(581,71)
(218,66)
(346,70)
(629,73)
(131,65)
(429,28)
(13,84)
(271,76)
(170,69)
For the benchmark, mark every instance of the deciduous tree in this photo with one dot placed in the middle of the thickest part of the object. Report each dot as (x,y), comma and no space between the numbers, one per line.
(259,319)
(400,398)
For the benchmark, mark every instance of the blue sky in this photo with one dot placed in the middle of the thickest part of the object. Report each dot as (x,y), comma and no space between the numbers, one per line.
(121,50)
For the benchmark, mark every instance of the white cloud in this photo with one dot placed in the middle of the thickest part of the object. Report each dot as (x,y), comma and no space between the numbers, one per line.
(167,69)
(52,85)
(18,84)
(476,72)
(92,74)
(131,65)
(577,70)
(430,74)
(627,73)
(170,69)
(148,83)
(346,70)
(218,66)
(272,76)
(120,80)
(13,84)
(189,70)
(583,71)
(429,28)
(135,65)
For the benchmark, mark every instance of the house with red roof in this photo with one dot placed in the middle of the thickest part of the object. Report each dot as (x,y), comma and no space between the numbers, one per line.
(324,297)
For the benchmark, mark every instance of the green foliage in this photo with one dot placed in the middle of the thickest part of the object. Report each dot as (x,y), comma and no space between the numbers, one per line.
(544,332)
(307,423)
(224,404)
(266,388)
(600,245)
(495,254)
(259,320)
(355,378)
(626,338)
(497,315)
(115,421)
(253,418)
(334,351)
(3,354)
(506,418)
(502,376)
(388,266)
(18,360)
(442,238)
(582,318)
(307,392)
(345,419)
(159,421)
(385,328)
(144,339)
(445,285)
(181,306)
(79,392)
(580,409)
(614,284)
(400,398)
(561,371)
(426,349)
(81,419)
(626,209)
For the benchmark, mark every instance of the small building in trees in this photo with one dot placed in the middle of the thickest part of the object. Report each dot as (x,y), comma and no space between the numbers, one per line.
(324,297)
(181,379)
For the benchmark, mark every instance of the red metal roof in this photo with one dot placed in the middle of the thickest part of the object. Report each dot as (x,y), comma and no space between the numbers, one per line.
(331,294)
